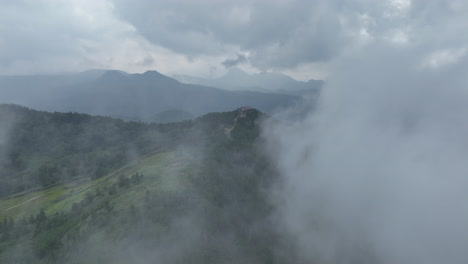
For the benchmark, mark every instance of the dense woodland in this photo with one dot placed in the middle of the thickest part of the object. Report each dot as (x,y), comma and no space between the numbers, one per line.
(220,215)
(48,148)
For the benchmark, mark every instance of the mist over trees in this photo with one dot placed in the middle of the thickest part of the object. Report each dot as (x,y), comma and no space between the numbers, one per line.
(48,148)
(219,211)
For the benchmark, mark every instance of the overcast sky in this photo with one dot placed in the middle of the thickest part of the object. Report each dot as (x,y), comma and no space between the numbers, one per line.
(207,37)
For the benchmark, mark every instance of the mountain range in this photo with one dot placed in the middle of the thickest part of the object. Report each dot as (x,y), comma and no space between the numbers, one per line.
(236,79)
(131,96)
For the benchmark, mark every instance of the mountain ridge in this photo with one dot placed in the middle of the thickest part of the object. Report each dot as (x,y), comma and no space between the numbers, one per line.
(236,79)
(130,96)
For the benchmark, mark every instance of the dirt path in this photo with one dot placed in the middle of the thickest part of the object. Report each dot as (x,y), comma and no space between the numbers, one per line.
(32,199)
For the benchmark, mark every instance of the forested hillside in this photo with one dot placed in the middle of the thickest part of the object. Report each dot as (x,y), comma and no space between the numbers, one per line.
(41,149)
(86,189)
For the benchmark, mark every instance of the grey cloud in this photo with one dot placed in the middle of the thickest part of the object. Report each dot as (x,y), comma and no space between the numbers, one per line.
(229,63)
(147,61)
(49,36)
(278,33)
(35,30)
(375,175)
(273,35)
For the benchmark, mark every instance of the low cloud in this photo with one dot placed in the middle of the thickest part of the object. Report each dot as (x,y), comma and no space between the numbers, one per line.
(229,63)
(376,173)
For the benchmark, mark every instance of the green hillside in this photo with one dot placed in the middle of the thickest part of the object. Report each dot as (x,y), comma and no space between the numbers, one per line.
(189,192)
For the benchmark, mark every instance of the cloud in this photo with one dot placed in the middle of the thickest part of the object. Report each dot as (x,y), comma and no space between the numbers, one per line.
(194,36)
(376,174)
(229,63)
(57,35)
(50,36)
(277,33)
(147,61)
(444,57)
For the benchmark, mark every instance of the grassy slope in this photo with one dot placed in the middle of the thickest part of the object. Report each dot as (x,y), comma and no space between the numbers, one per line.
(161,172)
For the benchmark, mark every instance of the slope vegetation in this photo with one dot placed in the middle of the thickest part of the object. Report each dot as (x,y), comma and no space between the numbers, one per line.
(192,192)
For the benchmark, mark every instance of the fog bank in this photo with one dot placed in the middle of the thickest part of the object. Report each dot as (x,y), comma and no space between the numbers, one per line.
(378,173)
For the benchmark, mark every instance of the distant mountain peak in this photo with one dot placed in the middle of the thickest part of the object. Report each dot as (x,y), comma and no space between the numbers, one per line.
(112,75)
(152,73)
(237,72)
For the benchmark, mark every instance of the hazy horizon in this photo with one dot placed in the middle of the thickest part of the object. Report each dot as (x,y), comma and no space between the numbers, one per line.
(151,69)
